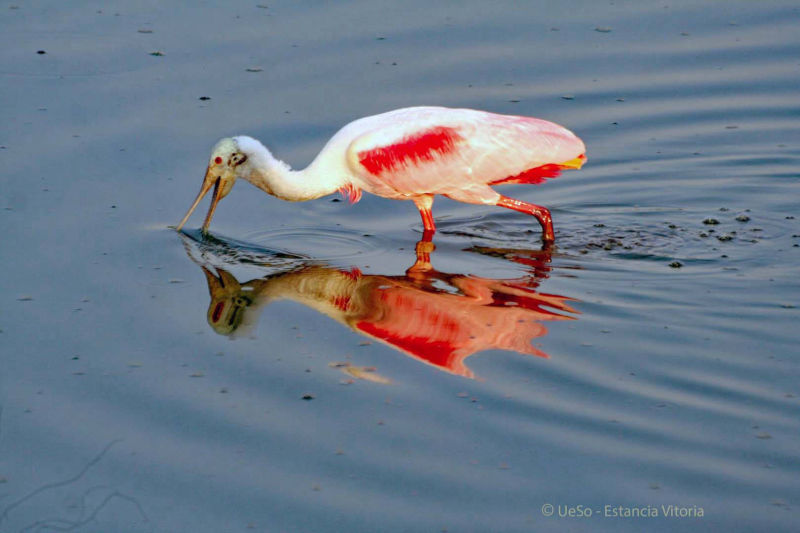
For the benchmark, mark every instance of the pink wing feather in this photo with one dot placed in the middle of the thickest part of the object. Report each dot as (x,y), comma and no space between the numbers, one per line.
(421,146)
(457,152)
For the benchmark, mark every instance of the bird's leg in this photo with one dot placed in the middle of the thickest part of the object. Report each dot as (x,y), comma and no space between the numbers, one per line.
(424,204)
(542,214)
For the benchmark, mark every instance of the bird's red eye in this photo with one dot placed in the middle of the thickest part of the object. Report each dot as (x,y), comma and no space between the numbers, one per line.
(218,160)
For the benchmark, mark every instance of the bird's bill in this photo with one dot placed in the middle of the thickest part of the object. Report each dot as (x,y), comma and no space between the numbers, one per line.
(214,201)
(208,181)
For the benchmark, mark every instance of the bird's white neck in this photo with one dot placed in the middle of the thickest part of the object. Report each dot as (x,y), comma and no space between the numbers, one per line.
(278,179)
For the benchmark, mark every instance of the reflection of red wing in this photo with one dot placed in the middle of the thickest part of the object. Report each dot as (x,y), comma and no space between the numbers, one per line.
(441,354)
(444,329)
(538,302)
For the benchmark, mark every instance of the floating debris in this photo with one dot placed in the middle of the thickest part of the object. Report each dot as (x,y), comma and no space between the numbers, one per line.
(254,69)
(41,52)
(711,221)
(367,373)
(204,98)
(603,29)
(743,218)
(568,97)
(724,238)
(157,53)
(308,397)
(676,264)
(144,31)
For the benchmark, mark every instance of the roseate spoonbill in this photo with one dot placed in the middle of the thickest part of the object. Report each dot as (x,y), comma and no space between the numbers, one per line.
(408,154)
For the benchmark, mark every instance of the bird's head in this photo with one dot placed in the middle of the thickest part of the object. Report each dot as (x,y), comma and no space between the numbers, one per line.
(227,163)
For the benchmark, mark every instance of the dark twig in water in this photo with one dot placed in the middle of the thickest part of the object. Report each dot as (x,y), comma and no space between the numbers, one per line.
(60,524)
(49,486)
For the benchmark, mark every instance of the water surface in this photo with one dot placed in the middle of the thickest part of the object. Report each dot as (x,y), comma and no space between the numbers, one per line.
(657,363)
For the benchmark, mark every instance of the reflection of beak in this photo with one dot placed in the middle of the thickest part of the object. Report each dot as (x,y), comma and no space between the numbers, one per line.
(208,181)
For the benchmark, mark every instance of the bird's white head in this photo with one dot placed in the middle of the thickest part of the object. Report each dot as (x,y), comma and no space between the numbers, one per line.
(229,161)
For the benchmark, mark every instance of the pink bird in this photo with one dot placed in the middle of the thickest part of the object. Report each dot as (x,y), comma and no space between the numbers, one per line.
(409,154)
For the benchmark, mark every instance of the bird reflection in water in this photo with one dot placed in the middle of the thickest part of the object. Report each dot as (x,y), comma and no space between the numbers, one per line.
(435,317)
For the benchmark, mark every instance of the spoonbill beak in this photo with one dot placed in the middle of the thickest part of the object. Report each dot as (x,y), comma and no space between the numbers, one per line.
(222,185)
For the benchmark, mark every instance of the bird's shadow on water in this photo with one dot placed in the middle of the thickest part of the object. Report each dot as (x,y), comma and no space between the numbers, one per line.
(438,318)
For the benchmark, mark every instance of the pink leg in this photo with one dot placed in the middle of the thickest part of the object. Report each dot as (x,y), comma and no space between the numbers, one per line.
(542,214)
(424,204)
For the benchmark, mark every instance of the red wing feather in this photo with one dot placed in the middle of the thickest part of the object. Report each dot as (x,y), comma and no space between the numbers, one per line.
(423,146)
(535,175)
(350,192)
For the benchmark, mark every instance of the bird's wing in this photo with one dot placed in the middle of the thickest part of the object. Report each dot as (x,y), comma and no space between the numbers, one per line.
(510,149)
(441,152)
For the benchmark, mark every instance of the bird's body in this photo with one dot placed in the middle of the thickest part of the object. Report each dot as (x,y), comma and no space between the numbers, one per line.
(410,154)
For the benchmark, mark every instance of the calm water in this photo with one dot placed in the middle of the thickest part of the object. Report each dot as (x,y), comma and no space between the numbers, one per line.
(155,381)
